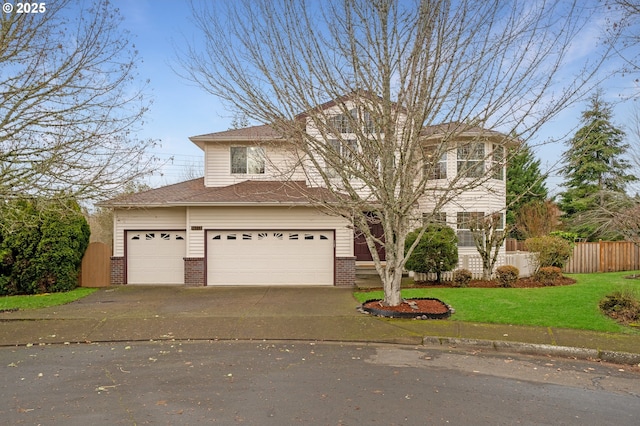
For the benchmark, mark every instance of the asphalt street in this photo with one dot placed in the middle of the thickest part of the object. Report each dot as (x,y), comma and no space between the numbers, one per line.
(311,383)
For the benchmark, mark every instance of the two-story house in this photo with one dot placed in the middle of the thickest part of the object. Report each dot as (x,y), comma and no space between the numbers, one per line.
(247,223)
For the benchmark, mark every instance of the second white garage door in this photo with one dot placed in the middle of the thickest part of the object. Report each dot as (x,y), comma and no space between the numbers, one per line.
(270,257)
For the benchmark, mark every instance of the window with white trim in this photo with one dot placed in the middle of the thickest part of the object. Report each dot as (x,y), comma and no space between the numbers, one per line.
(438,218)
(343,152)
(248,160)
(434,163)
(466,221)
(345,123)
(497,161)
(471,160)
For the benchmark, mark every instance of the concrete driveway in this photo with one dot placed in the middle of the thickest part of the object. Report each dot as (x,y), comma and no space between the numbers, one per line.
(139,313)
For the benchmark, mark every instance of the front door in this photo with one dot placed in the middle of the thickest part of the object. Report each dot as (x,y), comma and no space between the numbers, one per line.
(360,248)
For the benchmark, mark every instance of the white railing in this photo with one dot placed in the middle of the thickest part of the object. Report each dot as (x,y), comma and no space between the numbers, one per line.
(473,262)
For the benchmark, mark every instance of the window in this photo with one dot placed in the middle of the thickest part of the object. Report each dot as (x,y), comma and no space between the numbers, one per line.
(471,160)
(247,160)
(465,221)
(344,123)
(346,152)
(497,161)
(439,218)
(435,163)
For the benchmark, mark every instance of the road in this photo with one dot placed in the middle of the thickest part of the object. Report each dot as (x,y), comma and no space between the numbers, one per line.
(283,383)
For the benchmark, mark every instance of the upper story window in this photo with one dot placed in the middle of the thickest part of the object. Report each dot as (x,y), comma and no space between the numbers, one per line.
(247,160)
(471,160)
(346,151)
(346,123)
(434,163)
(497,161)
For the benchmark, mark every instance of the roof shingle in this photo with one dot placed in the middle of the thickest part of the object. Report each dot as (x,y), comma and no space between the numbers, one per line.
(193,192)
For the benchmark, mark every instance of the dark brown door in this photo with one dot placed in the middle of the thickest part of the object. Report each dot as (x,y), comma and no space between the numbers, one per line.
(360,248)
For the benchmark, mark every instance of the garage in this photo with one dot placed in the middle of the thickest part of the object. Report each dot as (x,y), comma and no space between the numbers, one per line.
(268,257)
(155,257)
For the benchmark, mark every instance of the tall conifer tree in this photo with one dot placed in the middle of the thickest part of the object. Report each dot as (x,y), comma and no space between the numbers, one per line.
(525,182)
(595,168)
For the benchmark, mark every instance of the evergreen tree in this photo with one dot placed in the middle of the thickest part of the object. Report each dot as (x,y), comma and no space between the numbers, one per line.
(525,182)
(595,169)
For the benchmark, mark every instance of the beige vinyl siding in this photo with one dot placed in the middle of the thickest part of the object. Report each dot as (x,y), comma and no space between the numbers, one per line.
(145,219)
(238,218)
(217,171)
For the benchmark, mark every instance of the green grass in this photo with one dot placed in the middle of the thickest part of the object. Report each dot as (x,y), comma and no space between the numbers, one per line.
(574,306)
(43,300)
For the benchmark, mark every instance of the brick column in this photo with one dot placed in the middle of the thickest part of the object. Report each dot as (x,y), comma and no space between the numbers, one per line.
(117,270)
(345,271)
(194,271)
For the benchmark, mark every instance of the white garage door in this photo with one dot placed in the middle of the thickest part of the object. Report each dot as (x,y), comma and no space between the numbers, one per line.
(155,257)
(270,257)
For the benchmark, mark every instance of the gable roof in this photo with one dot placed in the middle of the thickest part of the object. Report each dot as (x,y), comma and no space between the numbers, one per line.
(261,132)
(462,130)
(250,192)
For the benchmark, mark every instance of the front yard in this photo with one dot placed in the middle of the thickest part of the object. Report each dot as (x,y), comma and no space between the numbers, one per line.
(571,306)
(37,301)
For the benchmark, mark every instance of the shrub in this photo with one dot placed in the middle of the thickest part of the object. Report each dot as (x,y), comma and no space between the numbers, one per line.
(462,277)
(436,252)
(41,246)
(507,275)
(550,250)
(548,275)
(623,306)
(568,236)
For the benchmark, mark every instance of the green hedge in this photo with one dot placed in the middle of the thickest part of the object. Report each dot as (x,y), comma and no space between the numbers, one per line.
(41,246)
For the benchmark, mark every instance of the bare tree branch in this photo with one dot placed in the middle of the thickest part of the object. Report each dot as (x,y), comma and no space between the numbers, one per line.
(70,104)
(360,89)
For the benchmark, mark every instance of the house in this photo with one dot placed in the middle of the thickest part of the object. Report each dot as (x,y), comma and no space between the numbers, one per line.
(248,223)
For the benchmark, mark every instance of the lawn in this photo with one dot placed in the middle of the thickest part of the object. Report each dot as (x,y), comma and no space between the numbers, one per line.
(573,306)
(43,300)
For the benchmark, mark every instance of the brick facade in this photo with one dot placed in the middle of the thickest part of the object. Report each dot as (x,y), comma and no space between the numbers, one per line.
(345,271)
(194,271)
(117,270)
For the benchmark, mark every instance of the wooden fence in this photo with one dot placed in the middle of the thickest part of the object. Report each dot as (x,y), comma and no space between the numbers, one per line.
(96,266)
(603,256)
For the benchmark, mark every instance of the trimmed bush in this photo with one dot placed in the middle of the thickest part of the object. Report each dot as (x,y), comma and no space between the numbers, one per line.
(550,250)
(507,275)
(462,277)
(548,275)
(436,252)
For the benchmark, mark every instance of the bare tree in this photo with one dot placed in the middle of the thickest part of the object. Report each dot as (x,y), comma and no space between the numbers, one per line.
(488,235)
(70,103)
(537,218)
(357,87)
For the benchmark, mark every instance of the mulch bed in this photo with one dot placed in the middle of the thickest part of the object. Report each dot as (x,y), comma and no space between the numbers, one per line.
(521,283)
(427,308)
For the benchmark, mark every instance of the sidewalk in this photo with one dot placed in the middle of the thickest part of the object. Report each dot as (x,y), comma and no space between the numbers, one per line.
(141,313)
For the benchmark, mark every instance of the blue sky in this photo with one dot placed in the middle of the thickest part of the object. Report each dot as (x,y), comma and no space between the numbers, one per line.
(180,109)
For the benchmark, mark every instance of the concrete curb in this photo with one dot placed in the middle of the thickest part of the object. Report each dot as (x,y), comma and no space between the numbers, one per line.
(537,349)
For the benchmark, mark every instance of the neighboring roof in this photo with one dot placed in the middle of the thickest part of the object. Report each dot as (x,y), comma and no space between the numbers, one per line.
(261,132)
(251,192)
